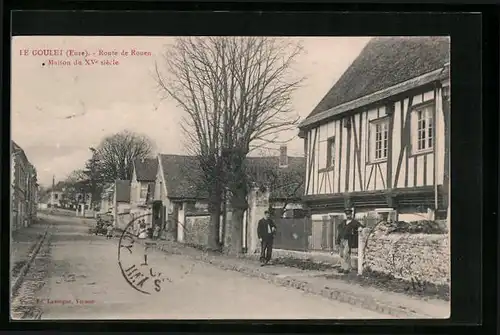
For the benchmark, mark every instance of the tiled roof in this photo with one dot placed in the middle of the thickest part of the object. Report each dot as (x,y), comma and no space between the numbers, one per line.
(183,176)
(122,190)
(385,62)
(145,169)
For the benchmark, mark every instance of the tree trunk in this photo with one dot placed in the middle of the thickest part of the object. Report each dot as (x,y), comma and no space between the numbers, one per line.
(213,237)
(214,208)
(239,205)
(236,242)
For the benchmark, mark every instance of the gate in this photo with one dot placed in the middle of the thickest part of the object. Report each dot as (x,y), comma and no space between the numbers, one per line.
(324,233)
(292,234)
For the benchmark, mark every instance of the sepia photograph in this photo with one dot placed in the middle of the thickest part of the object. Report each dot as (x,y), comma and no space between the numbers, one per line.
(230,177)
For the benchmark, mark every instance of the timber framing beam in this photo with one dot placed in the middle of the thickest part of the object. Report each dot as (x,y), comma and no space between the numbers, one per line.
(404,197)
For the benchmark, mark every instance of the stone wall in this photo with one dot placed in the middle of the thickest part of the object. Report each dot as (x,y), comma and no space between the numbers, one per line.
(197,229)
(421,257)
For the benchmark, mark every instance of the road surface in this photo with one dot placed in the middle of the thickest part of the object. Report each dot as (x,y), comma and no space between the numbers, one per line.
(85,282)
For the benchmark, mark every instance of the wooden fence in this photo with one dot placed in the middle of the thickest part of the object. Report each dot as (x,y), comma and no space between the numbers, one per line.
(292,234)
(311,235)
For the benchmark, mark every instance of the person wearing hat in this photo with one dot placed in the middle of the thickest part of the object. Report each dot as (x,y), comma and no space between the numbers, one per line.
(266,229)
(346,239)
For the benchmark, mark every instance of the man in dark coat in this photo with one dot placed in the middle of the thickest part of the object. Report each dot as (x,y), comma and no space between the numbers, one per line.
(266,230)
(347,239)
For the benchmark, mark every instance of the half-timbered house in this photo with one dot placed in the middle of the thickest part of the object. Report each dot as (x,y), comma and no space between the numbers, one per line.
(379,139)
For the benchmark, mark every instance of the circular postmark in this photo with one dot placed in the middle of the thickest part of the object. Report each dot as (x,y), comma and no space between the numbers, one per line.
(133,248)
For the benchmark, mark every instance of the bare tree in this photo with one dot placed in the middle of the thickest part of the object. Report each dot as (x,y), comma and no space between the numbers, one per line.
(236,93)
(116,153)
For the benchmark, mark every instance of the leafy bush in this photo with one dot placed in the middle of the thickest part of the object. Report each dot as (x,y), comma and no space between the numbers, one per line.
(417,227)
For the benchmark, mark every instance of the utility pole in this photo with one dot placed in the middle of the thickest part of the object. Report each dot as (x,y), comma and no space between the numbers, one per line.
(52,193)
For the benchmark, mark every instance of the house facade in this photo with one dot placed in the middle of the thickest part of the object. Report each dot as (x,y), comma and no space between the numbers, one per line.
(177,189)
(83,204)
(121,203)
(24,189)
(56,198)
(142,188)
(379,139)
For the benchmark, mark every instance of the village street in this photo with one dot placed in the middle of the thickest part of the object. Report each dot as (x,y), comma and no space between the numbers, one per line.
(85,282)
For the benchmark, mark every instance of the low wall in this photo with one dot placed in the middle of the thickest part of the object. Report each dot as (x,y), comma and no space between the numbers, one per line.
(197,229)
(420,257)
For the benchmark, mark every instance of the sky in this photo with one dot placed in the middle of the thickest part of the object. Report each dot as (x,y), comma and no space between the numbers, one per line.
(59,111)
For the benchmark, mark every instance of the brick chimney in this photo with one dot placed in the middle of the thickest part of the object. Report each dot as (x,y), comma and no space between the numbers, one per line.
(283,159)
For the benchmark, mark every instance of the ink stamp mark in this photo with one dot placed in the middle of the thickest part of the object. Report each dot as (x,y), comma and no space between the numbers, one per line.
(133,249)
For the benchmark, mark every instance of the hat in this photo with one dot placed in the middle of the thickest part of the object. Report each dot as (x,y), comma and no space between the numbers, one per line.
(348,210)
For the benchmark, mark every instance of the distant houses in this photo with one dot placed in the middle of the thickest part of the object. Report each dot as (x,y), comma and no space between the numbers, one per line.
(121,203)
(171,188)
(69,196)
(24,189)
(129,199)
(56,196)
(115,200)
(142,188)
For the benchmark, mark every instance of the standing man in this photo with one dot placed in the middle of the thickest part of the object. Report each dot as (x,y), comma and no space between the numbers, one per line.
(346,239)
(266,229)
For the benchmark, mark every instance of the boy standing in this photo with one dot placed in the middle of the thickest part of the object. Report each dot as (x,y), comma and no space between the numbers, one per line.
(109,231)
(346,239)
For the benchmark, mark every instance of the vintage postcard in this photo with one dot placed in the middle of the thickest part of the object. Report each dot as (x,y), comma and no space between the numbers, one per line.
(230,177)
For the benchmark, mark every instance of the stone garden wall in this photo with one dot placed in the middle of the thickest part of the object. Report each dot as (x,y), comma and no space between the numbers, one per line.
(197,230)
(412,257)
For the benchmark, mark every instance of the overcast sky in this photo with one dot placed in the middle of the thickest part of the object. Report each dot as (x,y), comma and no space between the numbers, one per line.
(125,97)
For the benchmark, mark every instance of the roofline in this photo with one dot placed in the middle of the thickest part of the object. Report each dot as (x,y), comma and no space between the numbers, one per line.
(146,180)
(426,78)
(163,182)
